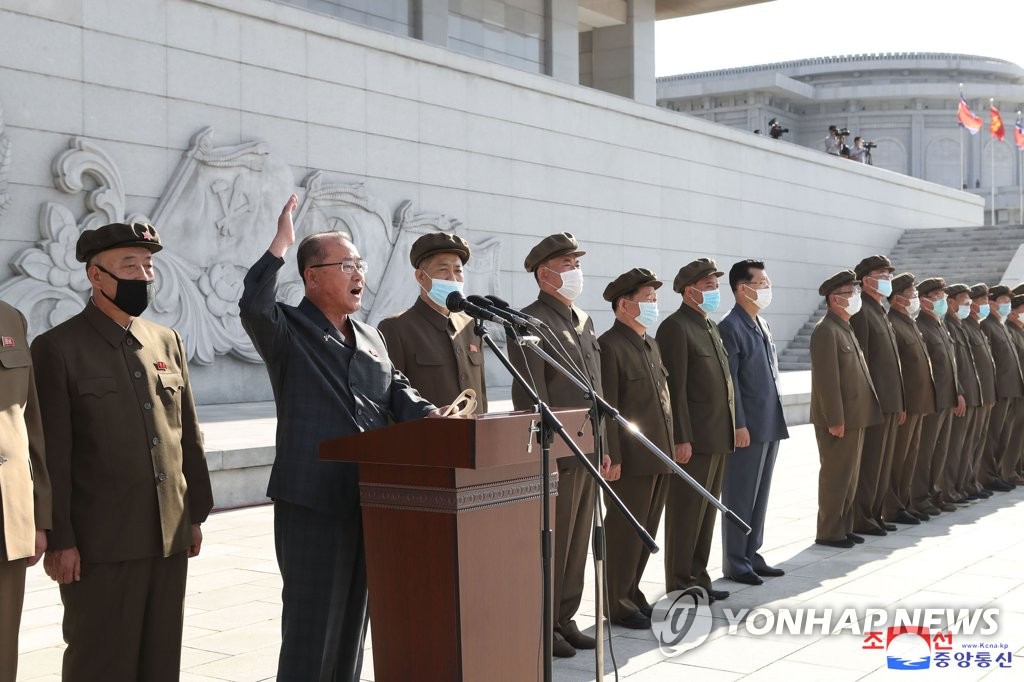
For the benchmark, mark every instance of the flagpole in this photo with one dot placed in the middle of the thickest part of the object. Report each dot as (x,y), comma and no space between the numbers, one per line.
(992,157)
(1020,176)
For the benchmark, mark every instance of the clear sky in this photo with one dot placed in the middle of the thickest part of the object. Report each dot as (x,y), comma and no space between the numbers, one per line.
(798,29)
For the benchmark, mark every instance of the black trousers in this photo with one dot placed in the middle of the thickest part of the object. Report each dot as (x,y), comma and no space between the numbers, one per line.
(324,614)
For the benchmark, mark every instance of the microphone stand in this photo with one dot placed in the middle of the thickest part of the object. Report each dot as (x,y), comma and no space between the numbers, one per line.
(549,426)
(602,407)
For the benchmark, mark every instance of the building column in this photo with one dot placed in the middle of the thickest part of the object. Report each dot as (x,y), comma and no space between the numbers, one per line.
(562,47)
(430,21)
(624,55)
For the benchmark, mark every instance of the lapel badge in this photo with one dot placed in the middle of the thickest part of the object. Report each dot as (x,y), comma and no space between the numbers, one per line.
(473,348)
(372,352)
(161,366)
(8,341)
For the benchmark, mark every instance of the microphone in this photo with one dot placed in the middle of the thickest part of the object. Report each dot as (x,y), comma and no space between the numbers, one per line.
(457,303)
(507,315)
(501,304)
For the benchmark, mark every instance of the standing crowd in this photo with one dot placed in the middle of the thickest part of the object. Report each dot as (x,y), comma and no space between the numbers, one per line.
(914,415)
(919,409)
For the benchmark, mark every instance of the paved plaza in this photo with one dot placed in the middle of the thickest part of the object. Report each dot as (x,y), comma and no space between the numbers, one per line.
(964,559)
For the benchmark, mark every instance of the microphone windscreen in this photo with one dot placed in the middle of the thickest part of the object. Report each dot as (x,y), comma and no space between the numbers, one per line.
(499,302)
(455,302)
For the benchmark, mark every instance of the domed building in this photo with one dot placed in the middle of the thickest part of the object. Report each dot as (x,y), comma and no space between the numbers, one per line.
(905,103)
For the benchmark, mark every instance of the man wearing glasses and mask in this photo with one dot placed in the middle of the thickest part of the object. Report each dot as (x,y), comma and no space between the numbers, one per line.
(843,403)
(760,422)
(878,344)
(437,350)
(331,377)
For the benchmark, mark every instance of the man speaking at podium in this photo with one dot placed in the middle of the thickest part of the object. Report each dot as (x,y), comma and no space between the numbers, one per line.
(331,377)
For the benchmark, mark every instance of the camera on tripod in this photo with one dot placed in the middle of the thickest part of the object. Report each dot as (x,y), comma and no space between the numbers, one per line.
(842,132)
(775,129)
(870,145)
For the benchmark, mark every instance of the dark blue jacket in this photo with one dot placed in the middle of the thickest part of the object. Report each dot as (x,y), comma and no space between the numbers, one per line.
(753,365)
(323,388)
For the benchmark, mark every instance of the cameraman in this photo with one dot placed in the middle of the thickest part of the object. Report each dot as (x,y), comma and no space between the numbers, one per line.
(833,142)
(858,151)
(775,129)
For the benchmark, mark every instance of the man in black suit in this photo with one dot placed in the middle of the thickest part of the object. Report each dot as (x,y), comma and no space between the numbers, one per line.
(760,422)
(331,377)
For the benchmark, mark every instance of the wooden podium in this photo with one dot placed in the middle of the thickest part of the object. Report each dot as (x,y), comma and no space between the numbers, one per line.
(451,521)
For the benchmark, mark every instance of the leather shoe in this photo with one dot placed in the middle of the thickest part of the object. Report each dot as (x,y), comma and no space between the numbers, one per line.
(577,639)
(947,507)
(856,538)
(920,516)
(769,572)
(930,510)
(845,543)
(747,578)
(984,493)
(561,648)
(873,531)
(634,621)
(647,610)
(717,595)
(903,516)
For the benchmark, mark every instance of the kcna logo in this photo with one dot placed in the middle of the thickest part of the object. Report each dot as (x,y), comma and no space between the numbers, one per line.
(681,620)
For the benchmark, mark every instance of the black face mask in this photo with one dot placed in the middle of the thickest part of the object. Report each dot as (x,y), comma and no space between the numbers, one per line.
(133,296)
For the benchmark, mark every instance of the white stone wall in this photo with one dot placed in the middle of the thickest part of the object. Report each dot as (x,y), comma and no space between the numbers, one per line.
(106,109)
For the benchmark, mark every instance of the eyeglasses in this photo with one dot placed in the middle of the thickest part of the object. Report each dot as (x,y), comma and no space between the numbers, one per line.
(348,266)
(855,292)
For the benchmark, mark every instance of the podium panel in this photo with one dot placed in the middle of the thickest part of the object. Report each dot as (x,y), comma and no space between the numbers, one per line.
(451,521)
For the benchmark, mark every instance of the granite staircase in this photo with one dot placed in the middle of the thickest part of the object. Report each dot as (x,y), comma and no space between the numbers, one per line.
(962,254)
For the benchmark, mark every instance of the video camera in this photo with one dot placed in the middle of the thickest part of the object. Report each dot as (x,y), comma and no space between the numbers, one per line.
(870,145)
(842,132)
(775,129)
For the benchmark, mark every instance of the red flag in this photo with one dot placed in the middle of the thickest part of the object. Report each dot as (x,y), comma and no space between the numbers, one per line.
(1018,134)
(996,126)
(967,118)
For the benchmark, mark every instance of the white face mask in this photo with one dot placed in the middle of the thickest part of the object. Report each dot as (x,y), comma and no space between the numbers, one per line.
(572,283)
(853,305)
(914,307)
(763,298)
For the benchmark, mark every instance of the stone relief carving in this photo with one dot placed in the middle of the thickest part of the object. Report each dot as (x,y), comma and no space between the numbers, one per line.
(216,216)
(5,165)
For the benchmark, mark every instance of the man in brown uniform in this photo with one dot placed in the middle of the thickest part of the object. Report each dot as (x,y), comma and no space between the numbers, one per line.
(1009,389)
(986,367)
(437,350)
(919,391)
(125,455)
(635,382)
(878,343)
(700,385)
(929,484)
(843,403)
(24,483)
(963,431)
(1014,472)
(555,265)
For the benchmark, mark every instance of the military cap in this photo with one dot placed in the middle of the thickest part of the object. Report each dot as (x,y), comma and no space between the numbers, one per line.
(841,278)
(116,235)
(1019,289)
(693,271)
(998,290)
(629,282)
(561,244)
(929,285)
(438,242)
(1017,301)
(956,289)
(904,280)
(978,290)
(877,262)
